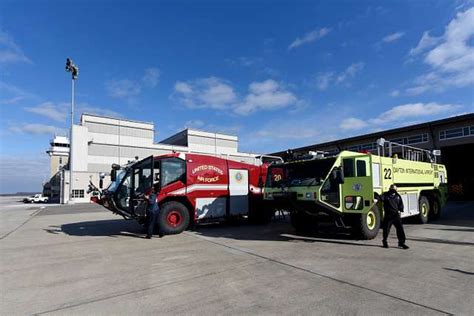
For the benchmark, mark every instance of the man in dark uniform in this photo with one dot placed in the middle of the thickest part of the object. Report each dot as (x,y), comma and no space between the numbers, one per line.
(152,210)
(392,205)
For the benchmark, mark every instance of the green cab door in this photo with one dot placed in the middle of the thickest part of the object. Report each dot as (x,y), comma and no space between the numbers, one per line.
(357,189)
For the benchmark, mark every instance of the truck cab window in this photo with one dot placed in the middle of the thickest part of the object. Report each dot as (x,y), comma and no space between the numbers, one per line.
(361,168)
(123,192)
(172,170)
(142,180)
(275,177)
(330,191)
(348,167)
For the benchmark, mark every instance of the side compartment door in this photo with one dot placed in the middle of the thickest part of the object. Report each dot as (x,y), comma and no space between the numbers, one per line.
(142,181)
(238,191)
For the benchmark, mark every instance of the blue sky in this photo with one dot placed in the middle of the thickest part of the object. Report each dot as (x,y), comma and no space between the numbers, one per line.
(278,74)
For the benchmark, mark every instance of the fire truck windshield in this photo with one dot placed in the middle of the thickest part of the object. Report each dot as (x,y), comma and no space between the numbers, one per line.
(276,176)
(309,173)
(114,184)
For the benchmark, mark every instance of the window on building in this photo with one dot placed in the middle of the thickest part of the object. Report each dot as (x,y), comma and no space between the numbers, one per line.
(77,194)
(397,140)
(353,148)
(414,139)
(456,132)
(369,146)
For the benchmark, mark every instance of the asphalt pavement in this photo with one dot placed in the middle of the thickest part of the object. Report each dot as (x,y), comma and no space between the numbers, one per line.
(82,259)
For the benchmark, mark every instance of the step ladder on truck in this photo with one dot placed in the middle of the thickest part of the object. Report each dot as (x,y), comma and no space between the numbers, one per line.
(347,186)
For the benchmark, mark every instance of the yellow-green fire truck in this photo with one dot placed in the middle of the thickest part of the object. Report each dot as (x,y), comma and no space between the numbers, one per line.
(347,186)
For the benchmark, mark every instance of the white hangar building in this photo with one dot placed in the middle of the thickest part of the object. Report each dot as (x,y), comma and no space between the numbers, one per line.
(100,141)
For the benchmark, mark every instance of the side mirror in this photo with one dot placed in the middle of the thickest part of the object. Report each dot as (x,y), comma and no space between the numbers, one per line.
(113,175)
(101,180)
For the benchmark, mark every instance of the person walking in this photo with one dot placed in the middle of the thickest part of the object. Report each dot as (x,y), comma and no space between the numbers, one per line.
(393,205)
(153,209)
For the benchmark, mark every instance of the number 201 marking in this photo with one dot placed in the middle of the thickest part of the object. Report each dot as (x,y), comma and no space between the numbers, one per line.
(387,173)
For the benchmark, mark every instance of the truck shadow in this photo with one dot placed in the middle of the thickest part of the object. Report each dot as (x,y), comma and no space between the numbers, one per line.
(280,230)
(110,228)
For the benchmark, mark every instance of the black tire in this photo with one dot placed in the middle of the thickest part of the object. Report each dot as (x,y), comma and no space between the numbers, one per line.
(435,208)
(173,218)
(424,208)
(304,223)
(367,225)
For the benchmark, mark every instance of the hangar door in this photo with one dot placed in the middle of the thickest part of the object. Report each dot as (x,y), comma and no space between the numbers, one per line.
(238,191)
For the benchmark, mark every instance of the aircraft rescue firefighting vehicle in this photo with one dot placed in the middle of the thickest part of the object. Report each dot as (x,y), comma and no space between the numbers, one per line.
(191,188)
(347,186)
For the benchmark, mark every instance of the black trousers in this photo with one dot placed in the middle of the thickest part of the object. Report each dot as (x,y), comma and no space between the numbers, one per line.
(153,216)
(396,221)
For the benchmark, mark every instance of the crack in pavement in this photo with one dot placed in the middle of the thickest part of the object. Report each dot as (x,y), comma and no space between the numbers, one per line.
(27,220)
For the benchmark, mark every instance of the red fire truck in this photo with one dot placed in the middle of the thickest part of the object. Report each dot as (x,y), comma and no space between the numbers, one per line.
(192,188)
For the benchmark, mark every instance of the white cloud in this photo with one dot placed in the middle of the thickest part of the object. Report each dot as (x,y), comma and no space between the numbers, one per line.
(393,37)
(352,123)
(404,114)
(425,43)
(265,95)
(60,112)
(218,94)
(183,87)
(323,80)
(151,77)
(11,94)
(122,88)
(350,72)
(213,128)
(50,110)
(10,52)
(244,61)
(394,93)
(413,111)
(209,92)
(37,129)
(309,37)
(128,89)
(451,59)
(194,124)
(98,110)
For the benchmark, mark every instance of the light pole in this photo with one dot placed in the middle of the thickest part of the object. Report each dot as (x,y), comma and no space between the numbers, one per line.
(74,70)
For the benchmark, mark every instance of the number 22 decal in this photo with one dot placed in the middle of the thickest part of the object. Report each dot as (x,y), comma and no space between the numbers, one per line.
(387,173)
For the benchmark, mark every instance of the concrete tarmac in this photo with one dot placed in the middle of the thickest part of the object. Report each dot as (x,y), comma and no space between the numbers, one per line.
(81,259)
